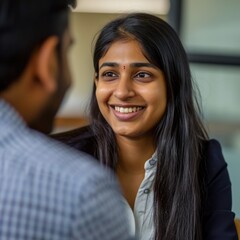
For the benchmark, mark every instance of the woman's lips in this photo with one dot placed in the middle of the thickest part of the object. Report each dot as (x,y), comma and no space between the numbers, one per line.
(125,113)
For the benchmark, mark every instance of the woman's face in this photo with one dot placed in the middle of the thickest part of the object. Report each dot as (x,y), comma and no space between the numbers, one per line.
(130,91)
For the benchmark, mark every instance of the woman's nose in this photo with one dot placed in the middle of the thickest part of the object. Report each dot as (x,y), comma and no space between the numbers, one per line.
(124,88)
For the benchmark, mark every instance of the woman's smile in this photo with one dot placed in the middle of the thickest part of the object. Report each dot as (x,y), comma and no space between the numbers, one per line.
(126,113)
(127,109)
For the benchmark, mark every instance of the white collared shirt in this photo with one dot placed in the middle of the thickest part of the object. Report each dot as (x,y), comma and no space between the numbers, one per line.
(141,217)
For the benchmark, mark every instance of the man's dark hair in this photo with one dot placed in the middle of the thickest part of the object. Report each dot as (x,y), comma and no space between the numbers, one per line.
(24,25)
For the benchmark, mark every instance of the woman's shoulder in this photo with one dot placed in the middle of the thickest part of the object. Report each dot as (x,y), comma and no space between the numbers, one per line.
(214,160)
(81,139)
(214,155)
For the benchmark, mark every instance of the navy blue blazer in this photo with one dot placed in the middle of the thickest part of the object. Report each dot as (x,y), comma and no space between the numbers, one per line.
(218,218)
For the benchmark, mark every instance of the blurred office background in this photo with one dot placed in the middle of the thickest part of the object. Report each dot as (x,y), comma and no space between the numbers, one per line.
(210,32)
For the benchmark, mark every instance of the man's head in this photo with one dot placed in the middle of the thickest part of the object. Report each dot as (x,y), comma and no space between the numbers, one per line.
(34,73)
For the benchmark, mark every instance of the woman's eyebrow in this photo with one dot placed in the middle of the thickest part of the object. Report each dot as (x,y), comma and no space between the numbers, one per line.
(135,64)
(109,64)
(143,64)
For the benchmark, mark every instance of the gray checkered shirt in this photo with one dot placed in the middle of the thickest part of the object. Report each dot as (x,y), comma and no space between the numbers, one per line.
(51,192)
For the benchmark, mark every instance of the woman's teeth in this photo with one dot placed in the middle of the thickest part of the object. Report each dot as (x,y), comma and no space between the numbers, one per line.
(127,109)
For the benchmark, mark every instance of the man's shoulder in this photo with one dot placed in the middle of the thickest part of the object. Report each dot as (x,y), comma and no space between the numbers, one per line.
(55,157)
(82,139)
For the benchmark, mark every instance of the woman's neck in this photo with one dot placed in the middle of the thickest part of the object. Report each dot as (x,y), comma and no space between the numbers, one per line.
(133,153)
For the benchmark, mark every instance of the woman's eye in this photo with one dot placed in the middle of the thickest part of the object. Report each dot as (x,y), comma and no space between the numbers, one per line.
(143,75)
(108,75)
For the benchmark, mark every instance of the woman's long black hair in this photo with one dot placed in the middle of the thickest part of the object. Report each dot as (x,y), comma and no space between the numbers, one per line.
(179,184)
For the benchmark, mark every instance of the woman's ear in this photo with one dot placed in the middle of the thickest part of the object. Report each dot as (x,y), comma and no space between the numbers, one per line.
(47,64)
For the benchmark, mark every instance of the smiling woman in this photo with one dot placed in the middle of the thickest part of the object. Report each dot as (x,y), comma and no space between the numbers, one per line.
(130,91)
(146,126)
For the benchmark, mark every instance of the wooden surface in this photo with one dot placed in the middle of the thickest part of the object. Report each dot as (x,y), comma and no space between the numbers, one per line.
(237,223)
(62,124)
(213,126)
(227,132)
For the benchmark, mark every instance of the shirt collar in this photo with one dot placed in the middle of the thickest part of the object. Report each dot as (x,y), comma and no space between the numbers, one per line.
(152,162)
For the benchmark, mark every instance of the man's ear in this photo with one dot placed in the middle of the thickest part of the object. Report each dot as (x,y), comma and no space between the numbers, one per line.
(47,64)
